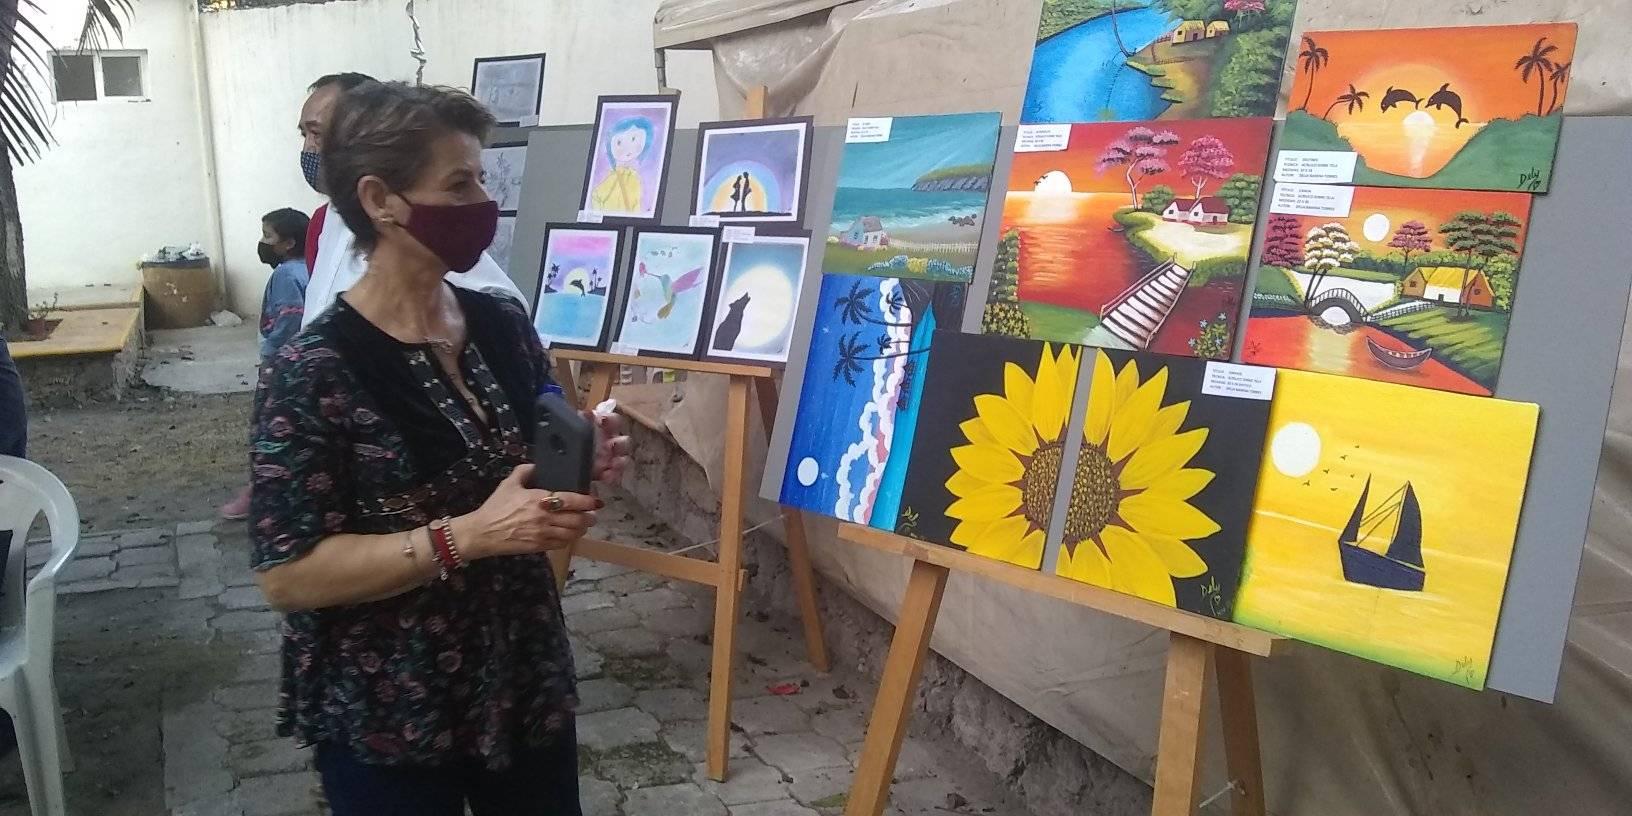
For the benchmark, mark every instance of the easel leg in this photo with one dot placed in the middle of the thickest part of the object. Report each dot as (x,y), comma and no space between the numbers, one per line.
(793,525)
(1178,752)
(1238,709)
(902,669)
(728,592)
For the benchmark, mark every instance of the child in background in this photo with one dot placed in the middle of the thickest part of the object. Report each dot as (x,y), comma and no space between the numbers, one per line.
(282,247)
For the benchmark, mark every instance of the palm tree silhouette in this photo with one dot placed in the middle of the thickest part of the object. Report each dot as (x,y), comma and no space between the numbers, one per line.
(853,352)
(1537,63)
(1560,78)
(854,308)
(1355,98)
(1312,58)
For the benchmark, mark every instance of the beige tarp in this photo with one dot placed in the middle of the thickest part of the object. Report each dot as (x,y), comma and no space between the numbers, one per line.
(1342,737)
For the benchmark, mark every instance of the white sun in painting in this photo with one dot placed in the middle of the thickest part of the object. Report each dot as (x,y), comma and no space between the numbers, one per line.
(1295,449)
(1054,182)
(808,471)
(770,305)
(1376,227)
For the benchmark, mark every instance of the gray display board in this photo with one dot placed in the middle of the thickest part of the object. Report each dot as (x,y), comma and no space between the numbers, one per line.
(1570,307)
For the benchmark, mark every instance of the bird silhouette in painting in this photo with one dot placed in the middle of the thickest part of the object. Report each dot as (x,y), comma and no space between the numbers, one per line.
(725,338)
(1447,98)
(1327,471)
(1400,96)
(1344,457)
(1308,483)
(672,288)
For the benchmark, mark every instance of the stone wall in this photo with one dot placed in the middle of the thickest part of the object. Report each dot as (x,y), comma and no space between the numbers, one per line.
(1055,775)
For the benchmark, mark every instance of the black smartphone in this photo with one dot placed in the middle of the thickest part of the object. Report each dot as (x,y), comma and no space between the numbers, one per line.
(563,447)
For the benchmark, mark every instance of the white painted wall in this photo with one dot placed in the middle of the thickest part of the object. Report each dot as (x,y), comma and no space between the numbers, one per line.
(125,177)
(259,62)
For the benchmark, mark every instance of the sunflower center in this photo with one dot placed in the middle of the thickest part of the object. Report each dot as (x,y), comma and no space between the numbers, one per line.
(1093,495)
(1038,485)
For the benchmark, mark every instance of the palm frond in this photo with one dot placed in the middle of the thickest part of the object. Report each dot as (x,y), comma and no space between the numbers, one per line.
(104,21)
(25,121)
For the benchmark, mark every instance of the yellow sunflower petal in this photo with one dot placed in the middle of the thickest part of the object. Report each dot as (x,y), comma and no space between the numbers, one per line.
(975,431)
(1135,417)
(988,462)
(1068,366)
(964,483)
(1013,541)
(1127,381)
(1085,563)
(1181,561)
(988,504)
(1052,401)
(968,533)
(1155,513)
(1101,401)
(1157,459)
(1183,483)
(1135,568)
(1012,429)
(1167,422)
(1018,387)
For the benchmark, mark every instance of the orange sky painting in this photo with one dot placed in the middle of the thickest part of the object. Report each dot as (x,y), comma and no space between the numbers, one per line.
(1398,205)
(1476,62)
(1248,140)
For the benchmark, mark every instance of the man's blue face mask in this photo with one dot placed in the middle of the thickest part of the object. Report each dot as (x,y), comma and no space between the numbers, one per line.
(311,165)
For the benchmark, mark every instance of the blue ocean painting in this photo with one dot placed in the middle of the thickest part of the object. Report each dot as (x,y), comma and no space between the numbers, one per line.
(668,288)
(752,172)
(913,206)
(575,286)
(857,403)
(1081,74)
(759,296)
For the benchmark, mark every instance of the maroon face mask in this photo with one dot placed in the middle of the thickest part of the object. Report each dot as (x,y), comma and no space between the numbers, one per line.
(456,233)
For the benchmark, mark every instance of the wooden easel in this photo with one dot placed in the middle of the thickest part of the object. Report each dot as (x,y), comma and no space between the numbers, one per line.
(1196,642)
(725,575)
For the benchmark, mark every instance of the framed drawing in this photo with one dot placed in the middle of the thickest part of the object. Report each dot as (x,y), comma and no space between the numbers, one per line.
(503,240)
(665,300)
(576,283)
(760,282)
(629,157)
(502,168)
(512,88)
(753,171)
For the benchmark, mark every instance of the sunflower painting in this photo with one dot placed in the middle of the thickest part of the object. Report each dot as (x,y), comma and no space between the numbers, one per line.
(1163,486)
(985,464)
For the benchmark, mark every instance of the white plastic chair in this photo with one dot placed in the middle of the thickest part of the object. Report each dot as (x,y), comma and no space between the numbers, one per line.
(28,691)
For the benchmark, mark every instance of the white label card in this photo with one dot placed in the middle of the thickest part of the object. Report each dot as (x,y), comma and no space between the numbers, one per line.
(1331,201)
(870,129)
(1042,138)
(1315,166)
(529,121)
(589,217)
(737,235)
(1239,381)
(708,221)
(624,349)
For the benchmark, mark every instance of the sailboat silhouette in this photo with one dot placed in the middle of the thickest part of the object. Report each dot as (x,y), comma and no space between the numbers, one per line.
(1401,566)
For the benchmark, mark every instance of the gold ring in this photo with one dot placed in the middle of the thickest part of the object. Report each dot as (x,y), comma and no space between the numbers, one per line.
(554,503)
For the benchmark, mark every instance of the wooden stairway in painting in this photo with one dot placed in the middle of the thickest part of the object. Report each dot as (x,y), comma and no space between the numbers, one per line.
(1138,313)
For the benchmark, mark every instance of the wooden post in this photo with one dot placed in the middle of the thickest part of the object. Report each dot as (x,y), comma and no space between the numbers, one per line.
(1178,750)
(728,592)
(905,665)
(754,106)
(1238,709)
(793,526)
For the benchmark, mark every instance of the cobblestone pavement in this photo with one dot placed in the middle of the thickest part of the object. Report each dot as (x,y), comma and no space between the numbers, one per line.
(643,660)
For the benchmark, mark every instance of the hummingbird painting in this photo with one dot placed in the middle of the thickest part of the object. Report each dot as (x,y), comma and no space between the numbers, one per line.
(668,289)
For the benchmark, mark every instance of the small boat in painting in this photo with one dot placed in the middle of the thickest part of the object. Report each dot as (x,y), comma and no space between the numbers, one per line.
(1400,566)
(1400,360)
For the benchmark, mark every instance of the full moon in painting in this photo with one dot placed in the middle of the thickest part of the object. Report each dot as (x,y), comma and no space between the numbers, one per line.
(1376,227)
(1295,450)
(770,305)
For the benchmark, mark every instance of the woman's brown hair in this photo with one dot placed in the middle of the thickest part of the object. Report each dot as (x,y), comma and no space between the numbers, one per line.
(386,129)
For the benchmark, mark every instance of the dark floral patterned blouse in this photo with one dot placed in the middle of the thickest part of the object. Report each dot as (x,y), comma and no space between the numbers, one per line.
(356,432)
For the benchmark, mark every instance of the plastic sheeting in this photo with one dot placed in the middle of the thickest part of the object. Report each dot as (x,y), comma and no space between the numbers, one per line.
(1341,736)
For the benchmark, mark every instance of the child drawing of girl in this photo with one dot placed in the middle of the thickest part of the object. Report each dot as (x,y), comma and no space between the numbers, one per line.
(626,146)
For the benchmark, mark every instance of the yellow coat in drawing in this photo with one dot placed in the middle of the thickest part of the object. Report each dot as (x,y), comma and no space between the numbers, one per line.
(619,192)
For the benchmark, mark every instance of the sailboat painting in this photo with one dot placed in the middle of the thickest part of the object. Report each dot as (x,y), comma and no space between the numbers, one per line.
(1384,521)
(1135,236)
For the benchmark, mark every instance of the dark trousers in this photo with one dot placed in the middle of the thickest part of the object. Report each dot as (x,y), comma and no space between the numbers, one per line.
(541,782)
(13,416)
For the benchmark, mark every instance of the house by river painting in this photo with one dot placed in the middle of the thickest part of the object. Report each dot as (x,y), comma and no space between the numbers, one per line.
(1135,237)
(1132,60)
(912,206)
(1384,521)
(1475,108)
(1413,287)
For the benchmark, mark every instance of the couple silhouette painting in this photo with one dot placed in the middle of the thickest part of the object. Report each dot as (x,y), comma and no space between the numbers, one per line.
(741,188)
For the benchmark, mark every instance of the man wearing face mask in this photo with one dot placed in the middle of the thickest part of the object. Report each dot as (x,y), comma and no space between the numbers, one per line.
(332,255)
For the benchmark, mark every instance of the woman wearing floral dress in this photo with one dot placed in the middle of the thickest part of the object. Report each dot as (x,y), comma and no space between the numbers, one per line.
(425,653)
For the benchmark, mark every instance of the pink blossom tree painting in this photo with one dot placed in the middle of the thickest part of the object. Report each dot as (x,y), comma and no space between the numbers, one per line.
(1143,152)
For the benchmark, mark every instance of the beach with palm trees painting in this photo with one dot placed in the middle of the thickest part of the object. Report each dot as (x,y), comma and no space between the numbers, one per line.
(1476,107)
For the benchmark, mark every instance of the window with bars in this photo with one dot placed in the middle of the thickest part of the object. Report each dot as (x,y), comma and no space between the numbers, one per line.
(90,76)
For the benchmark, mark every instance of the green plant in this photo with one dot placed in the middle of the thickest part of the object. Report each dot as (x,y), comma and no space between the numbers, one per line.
(1157,199)
(1212,342)
(41,310)
(1003,315)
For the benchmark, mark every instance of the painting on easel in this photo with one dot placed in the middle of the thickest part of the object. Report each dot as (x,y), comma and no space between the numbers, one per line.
(985,461)
(1164,482)
(760,287)
(575,285)
(629,157)
(1385,520)
(753,171)
(670,284)
(862,388)
(1471,108)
